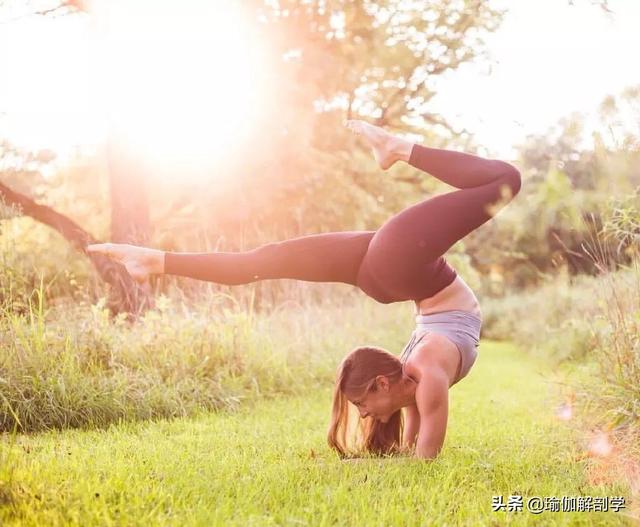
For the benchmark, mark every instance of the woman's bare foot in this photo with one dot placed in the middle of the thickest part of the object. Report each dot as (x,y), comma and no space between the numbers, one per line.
(140,262)
(387,148)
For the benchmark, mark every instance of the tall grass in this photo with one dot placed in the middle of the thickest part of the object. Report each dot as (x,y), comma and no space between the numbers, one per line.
(72,366)
(590,320)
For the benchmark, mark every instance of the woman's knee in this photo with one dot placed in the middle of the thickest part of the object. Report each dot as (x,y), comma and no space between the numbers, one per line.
(510,176)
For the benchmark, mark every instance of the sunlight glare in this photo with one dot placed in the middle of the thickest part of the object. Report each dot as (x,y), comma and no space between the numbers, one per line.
(45,96)
(182,82)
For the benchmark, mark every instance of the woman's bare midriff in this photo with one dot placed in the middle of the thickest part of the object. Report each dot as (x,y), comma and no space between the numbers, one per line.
(457,295)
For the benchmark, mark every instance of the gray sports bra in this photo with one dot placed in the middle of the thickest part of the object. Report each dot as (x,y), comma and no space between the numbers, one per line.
(413,342)
(461,327)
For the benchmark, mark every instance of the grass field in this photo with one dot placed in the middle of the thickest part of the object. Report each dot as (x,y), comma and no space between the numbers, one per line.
(268,464)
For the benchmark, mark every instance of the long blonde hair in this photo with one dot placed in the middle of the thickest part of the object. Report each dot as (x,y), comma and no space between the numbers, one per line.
(357,374)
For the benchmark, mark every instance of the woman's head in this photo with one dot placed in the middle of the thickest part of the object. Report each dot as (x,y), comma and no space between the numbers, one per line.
(371,379)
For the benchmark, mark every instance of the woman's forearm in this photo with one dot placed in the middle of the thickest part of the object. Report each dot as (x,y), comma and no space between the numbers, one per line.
(409,438)
(411,426)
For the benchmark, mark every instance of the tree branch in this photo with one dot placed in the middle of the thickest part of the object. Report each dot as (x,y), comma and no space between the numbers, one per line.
(111,272)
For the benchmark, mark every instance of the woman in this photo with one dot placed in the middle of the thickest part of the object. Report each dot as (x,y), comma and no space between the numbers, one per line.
(402,260)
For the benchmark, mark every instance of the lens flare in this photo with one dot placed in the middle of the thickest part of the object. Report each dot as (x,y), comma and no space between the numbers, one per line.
(564,412)
(600,444)
(181,82)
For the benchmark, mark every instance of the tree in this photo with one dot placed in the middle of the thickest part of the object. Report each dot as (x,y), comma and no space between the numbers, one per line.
(341,59)
(564,208)
(336,59)
(129,202)
(126,295)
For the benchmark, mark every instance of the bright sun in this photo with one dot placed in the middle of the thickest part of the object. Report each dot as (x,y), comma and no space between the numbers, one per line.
(181,78)
(181,82)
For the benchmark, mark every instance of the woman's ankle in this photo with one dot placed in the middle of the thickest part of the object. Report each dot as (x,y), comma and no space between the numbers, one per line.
(153,260)
(402,149)
(160,262)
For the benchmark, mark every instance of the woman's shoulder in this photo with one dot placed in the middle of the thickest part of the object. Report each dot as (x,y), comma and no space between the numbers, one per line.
(433,351)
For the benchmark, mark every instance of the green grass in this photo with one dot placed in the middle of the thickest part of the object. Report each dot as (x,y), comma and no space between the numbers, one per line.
(268,464)
(73,367)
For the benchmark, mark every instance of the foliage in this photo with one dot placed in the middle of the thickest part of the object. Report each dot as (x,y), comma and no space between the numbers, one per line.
(306,173)
(586,320)
(72,366)
(269,464)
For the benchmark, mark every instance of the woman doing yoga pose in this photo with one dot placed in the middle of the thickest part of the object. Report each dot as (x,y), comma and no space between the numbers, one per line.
(402,260)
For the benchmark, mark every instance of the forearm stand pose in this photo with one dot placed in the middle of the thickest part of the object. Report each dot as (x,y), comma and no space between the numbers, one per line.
(402,260)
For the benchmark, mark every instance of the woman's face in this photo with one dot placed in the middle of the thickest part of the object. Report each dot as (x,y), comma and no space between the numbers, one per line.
(378,404)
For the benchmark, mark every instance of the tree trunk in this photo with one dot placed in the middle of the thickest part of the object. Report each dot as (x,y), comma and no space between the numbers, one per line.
(129,213)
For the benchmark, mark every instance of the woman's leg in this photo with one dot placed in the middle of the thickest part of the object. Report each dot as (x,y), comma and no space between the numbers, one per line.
(326,257)
(404,259)
(401,261)
(486,186)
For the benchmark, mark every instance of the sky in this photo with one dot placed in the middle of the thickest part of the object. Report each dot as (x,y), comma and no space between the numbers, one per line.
(548,59)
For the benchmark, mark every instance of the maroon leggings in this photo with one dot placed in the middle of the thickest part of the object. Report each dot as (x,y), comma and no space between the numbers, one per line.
(402,260)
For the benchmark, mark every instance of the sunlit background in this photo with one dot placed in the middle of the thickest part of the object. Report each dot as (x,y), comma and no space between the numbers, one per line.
(65,78)
(202,126)
(182,86)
